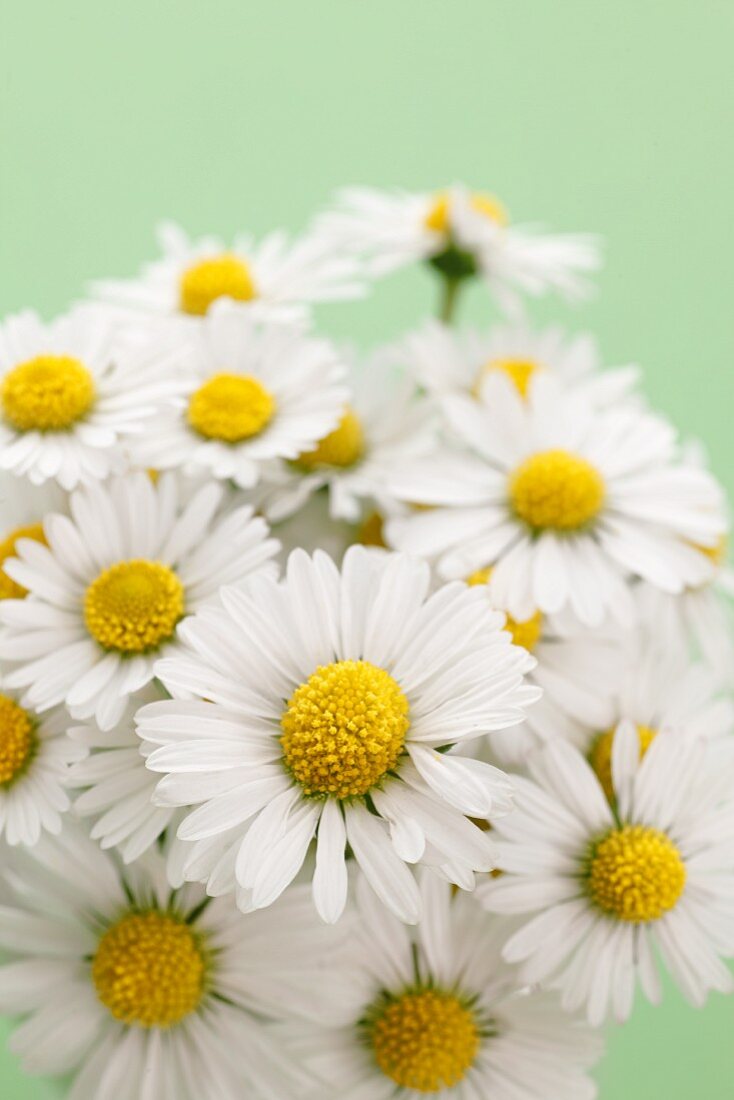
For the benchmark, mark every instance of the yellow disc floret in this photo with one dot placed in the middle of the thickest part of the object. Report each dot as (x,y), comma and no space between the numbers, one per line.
(10,589)
(133,606)
(150,969)
(424,1039)
(600,756)
(224,276)
(519,371)
(47,394)
(18,740)
(342,447)
(556,490)
(636,874)
(372,531)
(438,217)
(344,729)
(230,407)
(526,632)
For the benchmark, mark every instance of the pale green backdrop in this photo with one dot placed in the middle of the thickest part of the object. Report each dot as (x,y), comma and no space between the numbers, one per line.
(613,116)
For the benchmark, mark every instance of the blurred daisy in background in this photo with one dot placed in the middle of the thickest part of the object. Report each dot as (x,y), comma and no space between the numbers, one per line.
(462,235)
(23,507)
(110,585)
(70,399)
(145,993)
(438,1011)
(275,278)
(610,888)
(564,500)
(321,706)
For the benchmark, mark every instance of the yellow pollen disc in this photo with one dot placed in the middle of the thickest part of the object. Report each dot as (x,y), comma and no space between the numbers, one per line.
(149,969)
(344,729)
(371,531)
(526,633)
(438,217)
(10,589)
(600,756)
(425,1040)
(342,447)
(230,407)
(18,741)
(133,606)
(556,490)
(224,276)
(636,874)
(519,371)
(47,394)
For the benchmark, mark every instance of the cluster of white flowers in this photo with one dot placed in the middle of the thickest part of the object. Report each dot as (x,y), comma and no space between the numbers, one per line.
(365,728)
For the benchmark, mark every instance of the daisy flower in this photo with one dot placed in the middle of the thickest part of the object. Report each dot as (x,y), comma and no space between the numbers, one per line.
(275,278)
(610,888)
(111,584)
(142,992)
(443,360)
(462,234)
(320,706)
(70,400)
(437,1011)
(383,427)
(253,393)
(23,507)
(565,500)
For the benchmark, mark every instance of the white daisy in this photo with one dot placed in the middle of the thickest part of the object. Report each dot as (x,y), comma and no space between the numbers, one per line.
(322,704)
(253,393)
(23,507)
(145,993)
(462,235)
(564,499)
(70,399)
(113,581)
(443,360)
(275,278)
(612,887)
(385,425)
(440,1012)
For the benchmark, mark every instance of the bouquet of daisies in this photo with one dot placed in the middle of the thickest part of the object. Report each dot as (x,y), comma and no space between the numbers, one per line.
(365,727)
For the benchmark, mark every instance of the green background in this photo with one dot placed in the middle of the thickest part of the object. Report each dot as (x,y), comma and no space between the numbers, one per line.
(583,114)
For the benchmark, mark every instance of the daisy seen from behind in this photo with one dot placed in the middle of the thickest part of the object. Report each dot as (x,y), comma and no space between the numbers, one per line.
(320,706)
(608,887)
(110,586)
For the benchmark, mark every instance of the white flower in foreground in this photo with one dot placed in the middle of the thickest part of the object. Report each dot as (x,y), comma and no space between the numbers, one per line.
(112,583)
(461,234)
(385,426)
(275,278)
(253,393)
(443,360)
(35,759)
(321,705)
(439,1012)
(142,992)
(70,400)
(563,499)
(612,888)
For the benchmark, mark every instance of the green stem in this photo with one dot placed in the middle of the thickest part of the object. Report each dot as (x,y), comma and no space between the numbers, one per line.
(449,299)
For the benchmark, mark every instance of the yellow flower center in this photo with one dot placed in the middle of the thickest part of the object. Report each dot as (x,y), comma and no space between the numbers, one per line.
(526,633)
(556,490)
(150,969)
(636,874)
(424,1040)
(18,741)
(519,371)
(10,589)
(230,407)
(47,394)
(371,531)
(600,756)
(224,276)
(344,729)
(133,606)
(342,447)
(438,217)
